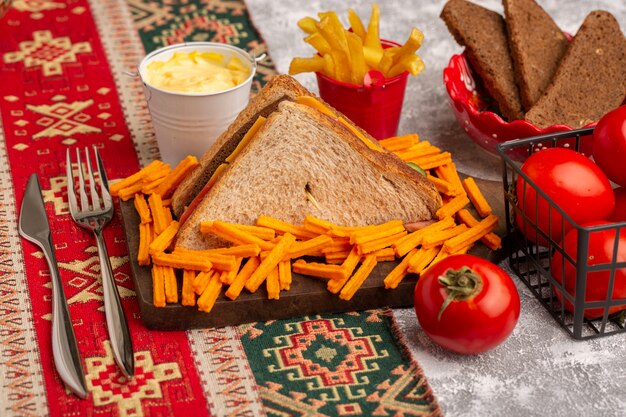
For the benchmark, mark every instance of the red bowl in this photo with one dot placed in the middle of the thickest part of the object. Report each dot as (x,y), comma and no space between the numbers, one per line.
(472,108)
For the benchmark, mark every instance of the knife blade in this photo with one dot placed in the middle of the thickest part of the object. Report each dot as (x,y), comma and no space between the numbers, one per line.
(34,227)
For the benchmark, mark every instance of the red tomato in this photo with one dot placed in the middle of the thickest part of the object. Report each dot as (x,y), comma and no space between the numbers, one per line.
(471,323)
(600,251)
(609,145)
(573,182)
(619,213)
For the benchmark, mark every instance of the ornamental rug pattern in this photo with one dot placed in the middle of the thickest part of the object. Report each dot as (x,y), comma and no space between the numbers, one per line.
(336,365)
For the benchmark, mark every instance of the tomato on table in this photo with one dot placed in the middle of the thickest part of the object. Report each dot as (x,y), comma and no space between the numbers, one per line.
(466,304)
(573,182)
(600,251)
(609,145)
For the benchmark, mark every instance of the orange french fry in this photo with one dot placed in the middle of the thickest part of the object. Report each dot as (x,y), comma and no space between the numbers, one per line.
(399,143)
(142,208)
(420,150)
(176,176)
(171,286)
(318,270)
(209,295)
(164,239)
(145,237)
(241,251)
(220,261)
(359,277)
(181,262)
(476,197)
(158,286)
(158,213)
(437,238)
(376,234)
(201,281)
(492,240)
(188,294)
(233,234)
(311,247)
(229,276)
(471,235)
(443,186)
(235,288)
(451,207)
(449,173)
(273,284)
(347,266)
(427,162)
(137,177)
(284,227)
(126,194)
(270,262)
(422,259)
(381,243)
(398,273)
(284,275)
(414,239)
(315,225)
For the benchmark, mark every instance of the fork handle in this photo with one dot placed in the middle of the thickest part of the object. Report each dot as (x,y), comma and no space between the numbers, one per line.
(117,325)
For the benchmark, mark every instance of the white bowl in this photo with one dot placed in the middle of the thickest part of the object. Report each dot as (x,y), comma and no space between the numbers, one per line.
(188,123)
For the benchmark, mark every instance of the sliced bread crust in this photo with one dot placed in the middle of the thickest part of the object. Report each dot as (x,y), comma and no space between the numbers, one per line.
(591,79)
(483,33)
(303,162)
(280,88)
(537,46)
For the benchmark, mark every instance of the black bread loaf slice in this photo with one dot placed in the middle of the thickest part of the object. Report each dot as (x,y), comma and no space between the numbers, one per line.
(591,79)
(537,46)
(483,33)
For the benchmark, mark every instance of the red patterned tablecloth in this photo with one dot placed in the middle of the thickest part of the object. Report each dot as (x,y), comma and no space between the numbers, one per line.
(63,85)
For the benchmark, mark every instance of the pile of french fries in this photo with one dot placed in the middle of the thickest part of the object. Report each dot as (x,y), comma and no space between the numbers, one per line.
(348,55)
(269,251)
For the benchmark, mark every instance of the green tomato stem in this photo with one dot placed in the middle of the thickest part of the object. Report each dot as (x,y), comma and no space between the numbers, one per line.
(461,285)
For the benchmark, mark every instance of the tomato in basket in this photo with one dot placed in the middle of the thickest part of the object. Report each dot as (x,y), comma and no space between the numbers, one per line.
(600,252)
(466,304)
(609,145)
(619,213)
(573,182)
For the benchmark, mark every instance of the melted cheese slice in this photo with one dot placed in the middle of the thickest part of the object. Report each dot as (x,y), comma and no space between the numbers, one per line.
(318,105)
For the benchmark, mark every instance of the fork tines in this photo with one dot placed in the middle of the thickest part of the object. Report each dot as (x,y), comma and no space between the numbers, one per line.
(97,203)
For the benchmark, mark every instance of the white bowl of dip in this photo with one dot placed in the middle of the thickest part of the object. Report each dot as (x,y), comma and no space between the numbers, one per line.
(187,117)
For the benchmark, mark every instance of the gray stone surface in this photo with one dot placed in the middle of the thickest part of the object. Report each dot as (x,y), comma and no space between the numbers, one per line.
(539,370)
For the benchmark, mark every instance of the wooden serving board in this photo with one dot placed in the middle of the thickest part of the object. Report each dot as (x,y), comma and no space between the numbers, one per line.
(307,295)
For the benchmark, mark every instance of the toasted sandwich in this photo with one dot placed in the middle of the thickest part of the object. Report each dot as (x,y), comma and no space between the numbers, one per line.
(280,88)
(302,160)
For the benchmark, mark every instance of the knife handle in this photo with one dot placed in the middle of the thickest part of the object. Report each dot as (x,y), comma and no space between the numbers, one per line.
(119,334)
(64,346)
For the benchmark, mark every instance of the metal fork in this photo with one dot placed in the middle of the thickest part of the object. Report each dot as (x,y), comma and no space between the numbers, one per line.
(95,217)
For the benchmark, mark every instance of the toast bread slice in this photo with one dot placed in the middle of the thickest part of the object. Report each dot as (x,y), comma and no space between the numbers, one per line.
(303,162)
(483,33)
(591,79)
(537,46)
(280,88)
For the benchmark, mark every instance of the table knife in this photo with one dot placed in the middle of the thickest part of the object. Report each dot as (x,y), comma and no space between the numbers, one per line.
(33,226)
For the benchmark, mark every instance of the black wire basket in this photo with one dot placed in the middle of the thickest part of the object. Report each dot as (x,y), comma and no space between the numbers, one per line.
(534,263)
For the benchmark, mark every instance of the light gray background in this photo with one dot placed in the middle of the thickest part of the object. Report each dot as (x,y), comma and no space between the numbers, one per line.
(539,370)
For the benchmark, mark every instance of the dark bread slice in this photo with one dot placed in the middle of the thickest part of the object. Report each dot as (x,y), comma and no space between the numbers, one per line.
(280,88)
(301,162)
(591,79)
(483,33)
(537,46)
